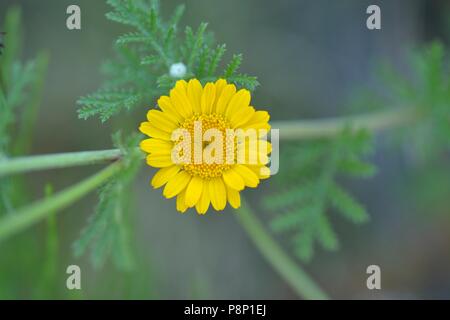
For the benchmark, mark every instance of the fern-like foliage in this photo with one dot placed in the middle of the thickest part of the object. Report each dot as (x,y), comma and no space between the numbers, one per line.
(424,86)
(308,180)
(309,173)
(107,229)
(430,91)
(141,70)
(20,91)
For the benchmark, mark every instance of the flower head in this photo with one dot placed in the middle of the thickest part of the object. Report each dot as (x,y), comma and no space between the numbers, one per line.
(208,144)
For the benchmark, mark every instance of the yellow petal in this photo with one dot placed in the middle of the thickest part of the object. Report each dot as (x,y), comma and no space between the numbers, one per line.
(203,204)
(180,101)
(194,191)
(227,93)
(263,158)
(164,175)
(250,178)
(166,106)
(220,85)
(181,85)
(258,120)
(150,130)
(233,179)
(242,116)
(255,156)
(159,160)
(258,126)
(260,156)
(264,146)
(156,146)
(177,184)
(208,98)
(194,93)
(160,120)
(260,116)
(240,100)
(249,153)
(181,206)
(262,172)
(233,197)
(217,193)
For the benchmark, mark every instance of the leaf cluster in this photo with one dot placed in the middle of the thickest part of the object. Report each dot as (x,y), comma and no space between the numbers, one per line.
(20,95)
(309,189)
(141,70)
(423,84)
(107,230)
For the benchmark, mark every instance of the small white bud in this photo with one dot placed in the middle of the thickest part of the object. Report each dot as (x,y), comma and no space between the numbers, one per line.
(177,70)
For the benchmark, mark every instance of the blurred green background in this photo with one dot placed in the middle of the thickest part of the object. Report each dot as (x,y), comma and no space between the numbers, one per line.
(310,57)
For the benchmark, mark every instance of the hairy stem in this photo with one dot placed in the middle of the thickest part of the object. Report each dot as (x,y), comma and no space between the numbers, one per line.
(323,128)
(23,218)
(62,160)
(29,114)
(275,255)
(289,130)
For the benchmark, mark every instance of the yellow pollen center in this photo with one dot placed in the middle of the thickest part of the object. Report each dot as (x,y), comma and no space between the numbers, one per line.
(208,121)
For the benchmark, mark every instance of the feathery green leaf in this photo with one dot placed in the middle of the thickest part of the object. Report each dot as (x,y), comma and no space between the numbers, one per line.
(309,189)
(145,55)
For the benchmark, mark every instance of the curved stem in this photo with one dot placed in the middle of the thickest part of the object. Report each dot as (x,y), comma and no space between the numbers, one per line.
(280,261)
(322,128)
(62,160)
(23,218)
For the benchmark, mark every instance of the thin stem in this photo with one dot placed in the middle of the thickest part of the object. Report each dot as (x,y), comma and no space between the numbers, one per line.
(280,261)
(289,130)
(322,128)
(23,218)
(62,160)
(29,115)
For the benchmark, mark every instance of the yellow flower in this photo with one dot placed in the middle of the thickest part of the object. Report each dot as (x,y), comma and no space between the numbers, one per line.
(216,110)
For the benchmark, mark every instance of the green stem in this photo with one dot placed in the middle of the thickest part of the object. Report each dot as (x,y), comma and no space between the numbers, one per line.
(289,130)
(23,218)
(323,128)
(29,114)
(280,261)
(62,160)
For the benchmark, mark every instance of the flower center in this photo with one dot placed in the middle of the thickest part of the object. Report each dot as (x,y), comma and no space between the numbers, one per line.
(215,126)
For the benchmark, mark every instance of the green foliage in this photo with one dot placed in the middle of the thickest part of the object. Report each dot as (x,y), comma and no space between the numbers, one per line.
(107,230)
(20,94)
(48,284)
(425,86)
(433,78)
(140,72)
(309,189)
(21,85)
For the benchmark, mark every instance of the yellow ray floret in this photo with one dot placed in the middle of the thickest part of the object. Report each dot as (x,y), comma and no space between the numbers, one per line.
(229,162)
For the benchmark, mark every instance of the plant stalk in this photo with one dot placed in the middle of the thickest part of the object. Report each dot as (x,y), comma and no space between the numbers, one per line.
(323,128)
(61,160)
(275,255)
(23,218)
